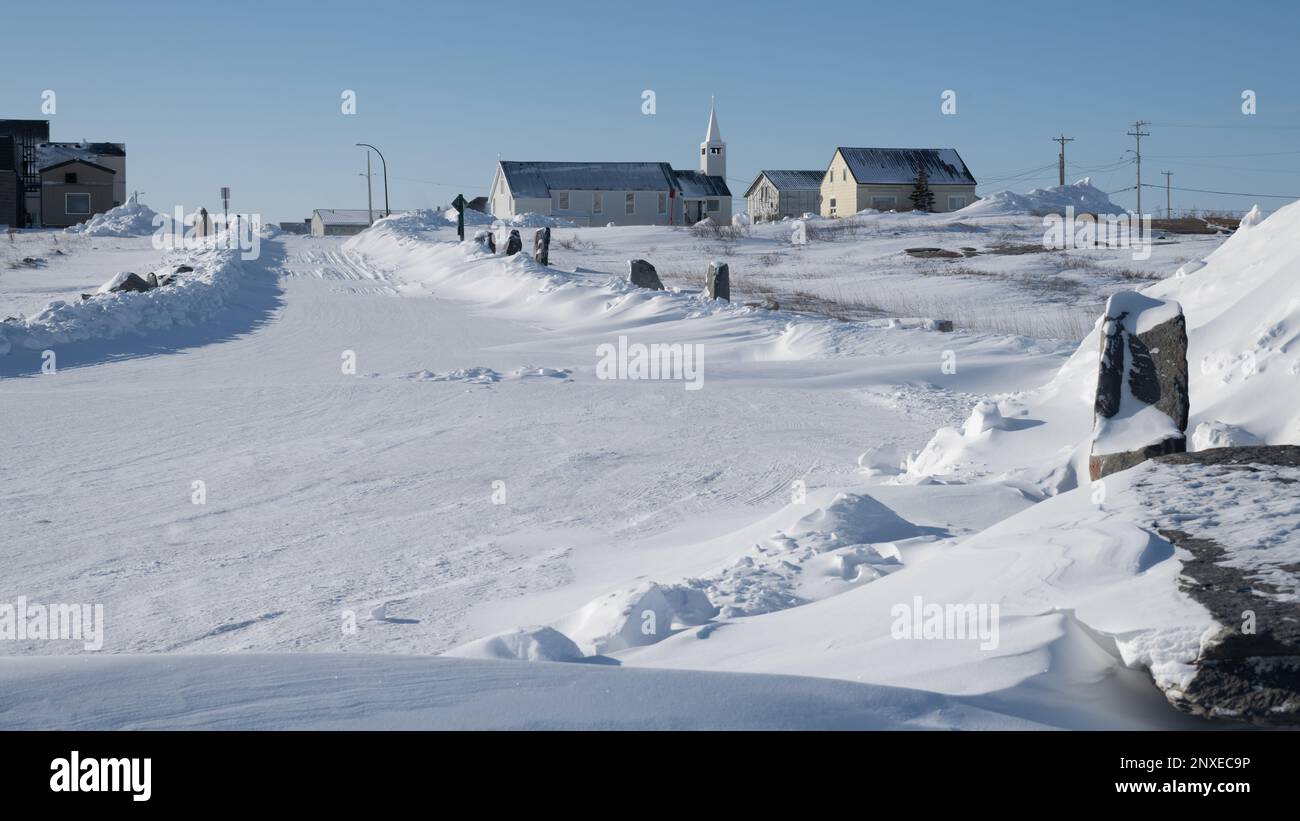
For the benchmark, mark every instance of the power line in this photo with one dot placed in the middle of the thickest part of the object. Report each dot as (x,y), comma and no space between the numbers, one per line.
(1228,193)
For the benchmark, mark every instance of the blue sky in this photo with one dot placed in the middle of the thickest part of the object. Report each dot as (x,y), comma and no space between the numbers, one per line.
(248,94)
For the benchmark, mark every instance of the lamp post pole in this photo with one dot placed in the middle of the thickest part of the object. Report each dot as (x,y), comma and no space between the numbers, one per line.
(387,212)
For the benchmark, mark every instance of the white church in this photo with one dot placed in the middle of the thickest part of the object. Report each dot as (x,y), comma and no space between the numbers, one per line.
(622,193)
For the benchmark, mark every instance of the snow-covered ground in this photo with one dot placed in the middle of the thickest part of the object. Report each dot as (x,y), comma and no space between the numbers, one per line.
(473,485)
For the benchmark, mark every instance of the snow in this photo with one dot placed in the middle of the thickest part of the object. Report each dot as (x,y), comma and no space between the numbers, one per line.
(729,557)
(192,299)
(132,219)
(313,691)
(1082,196)
(1217,434)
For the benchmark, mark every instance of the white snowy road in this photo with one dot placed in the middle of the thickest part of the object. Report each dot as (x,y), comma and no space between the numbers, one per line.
(328,492)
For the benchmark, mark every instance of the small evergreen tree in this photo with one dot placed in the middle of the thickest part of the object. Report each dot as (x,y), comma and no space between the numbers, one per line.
(922,197)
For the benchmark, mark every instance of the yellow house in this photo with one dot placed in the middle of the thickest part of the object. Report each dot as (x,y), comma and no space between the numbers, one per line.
(884,178)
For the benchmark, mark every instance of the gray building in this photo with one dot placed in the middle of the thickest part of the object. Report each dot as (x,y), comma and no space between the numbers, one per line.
(338,222)
(624,193)
(776,193)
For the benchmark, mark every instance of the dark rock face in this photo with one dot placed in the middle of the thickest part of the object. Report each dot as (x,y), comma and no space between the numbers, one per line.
(133,283)
(514,244)
(1154,366)
(1249,674)
(542,246)
(487,240)
(718,281)
(943,326)
(183,269)
(643,275)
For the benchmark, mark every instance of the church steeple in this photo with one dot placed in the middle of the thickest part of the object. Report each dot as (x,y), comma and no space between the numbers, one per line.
(713,151)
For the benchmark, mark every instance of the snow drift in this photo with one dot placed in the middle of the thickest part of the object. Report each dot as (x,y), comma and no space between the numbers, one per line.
(1082,196)
(193,297)
(130,220)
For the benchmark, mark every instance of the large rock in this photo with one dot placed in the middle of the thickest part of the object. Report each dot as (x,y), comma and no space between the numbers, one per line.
(643,275)
(487,240)
(132,283)
(514,244)
(542,246)
(1247,579)
(718,281)
(1142,401)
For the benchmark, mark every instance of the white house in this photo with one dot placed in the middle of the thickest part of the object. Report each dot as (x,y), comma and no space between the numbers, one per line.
(774,194)
(624,193)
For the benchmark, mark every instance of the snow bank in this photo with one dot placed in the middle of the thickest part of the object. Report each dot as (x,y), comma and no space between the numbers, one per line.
(1082,195)
(129,220)
(193,297)
(1242,308)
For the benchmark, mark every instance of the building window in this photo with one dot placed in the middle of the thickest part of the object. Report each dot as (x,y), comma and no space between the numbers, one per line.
(956,203)
(630,203)
(844,175)
(76,204)
(883,203)
(713,205)
(701,151)
(832,206)
(597,202)
(564,201)
(663,203)
(715,150)
(70,178)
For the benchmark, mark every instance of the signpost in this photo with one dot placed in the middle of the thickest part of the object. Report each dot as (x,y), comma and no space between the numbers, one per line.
(459,205)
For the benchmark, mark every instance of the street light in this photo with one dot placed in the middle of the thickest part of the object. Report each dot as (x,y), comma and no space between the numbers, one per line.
(387,213)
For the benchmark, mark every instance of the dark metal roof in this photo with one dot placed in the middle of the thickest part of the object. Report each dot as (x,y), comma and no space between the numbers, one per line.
(77,162)
(697,185)
(538,179)
(898,166)
(790,180)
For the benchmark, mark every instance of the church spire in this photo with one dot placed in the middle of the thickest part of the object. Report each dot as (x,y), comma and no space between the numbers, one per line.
(714,135)
(713,151)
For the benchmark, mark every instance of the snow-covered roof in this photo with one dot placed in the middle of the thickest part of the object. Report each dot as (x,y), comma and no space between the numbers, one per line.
(898,166)
(538,179)
(789,180)
(48,154)
(697,184)
(347,216)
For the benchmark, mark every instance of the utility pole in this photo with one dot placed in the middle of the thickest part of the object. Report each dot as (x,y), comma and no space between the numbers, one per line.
(1138,133)
(370,203)
(1062,140)
(1169,214)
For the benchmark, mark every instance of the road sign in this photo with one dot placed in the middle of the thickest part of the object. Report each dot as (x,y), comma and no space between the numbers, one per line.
(459,205)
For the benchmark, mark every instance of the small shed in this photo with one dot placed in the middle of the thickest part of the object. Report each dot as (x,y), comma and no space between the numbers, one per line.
(341,222)
(783,193)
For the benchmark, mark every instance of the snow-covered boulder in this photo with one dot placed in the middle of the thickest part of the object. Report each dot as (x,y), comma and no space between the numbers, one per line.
(1142,401)
(1216,434)
(631,617)
(521,644)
